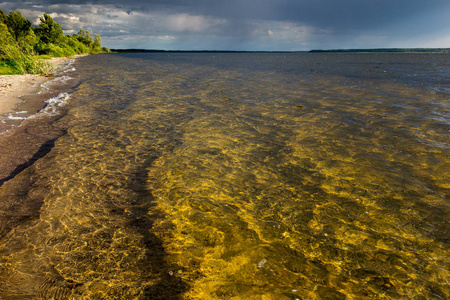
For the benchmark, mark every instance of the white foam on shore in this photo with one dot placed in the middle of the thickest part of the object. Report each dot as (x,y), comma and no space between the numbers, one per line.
(67,67)
(50,108)
(14,115)
(69,70)
(52,104)
(56,80)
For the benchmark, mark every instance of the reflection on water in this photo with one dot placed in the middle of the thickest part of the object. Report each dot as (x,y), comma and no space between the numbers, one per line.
(240,176)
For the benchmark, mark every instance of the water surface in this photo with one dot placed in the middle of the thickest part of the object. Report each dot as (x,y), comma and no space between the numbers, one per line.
(240,176)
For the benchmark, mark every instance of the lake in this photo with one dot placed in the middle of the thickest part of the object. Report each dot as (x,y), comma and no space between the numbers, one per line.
(235,176)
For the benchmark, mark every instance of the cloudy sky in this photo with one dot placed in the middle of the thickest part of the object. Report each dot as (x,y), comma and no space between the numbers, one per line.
(250,24)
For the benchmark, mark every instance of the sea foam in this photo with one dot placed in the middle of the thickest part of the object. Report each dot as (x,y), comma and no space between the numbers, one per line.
(52,104)
(50,108)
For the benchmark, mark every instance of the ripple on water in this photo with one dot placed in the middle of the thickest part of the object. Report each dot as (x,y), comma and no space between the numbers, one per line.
(178,178)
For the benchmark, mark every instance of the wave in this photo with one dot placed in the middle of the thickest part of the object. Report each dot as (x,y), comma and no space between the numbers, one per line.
(52,104)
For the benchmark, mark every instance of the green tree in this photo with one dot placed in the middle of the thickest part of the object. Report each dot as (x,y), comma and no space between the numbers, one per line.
(97,45)
(84,36)
(5,35)
(77,46)
(3,17)
(18,26)
(8,46)
(49,31)
(21,31)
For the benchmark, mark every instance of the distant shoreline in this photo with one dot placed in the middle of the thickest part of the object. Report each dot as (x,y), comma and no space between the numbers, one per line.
(389,50)
(374,50)
(196,51)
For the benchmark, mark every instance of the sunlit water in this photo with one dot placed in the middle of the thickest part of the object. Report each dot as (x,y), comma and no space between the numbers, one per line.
(241,176)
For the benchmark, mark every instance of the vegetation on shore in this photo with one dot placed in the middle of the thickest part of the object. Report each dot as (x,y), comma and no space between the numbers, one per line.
(23,47)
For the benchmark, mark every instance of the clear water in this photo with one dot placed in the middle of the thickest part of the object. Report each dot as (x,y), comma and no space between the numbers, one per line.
(239,176)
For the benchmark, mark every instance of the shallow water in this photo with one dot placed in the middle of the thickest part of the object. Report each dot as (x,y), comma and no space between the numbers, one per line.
(240,176)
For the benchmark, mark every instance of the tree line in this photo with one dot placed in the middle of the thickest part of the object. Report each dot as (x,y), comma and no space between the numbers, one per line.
(23,46)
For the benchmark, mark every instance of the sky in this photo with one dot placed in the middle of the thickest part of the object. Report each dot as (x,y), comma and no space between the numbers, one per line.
(252,25)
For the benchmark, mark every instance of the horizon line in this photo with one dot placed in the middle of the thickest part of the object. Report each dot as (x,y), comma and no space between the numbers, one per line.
(394,49)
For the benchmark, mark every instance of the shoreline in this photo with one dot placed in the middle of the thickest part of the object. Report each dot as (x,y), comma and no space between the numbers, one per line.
(22,136)
(13,87)
(28,132)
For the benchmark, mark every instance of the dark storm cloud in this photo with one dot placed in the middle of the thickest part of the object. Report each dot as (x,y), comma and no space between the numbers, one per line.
(267,23)
(324,13)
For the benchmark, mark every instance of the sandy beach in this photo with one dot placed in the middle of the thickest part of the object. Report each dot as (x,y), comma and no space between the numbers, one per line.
(14,86)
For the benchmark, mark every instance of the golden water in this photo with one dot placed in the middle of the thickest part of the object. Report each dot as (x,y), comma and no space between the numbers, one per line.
(241,176)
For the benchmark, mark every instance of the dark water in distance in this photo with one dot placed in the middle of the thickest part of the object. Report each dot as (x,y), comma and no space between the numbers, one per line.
(241,176)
